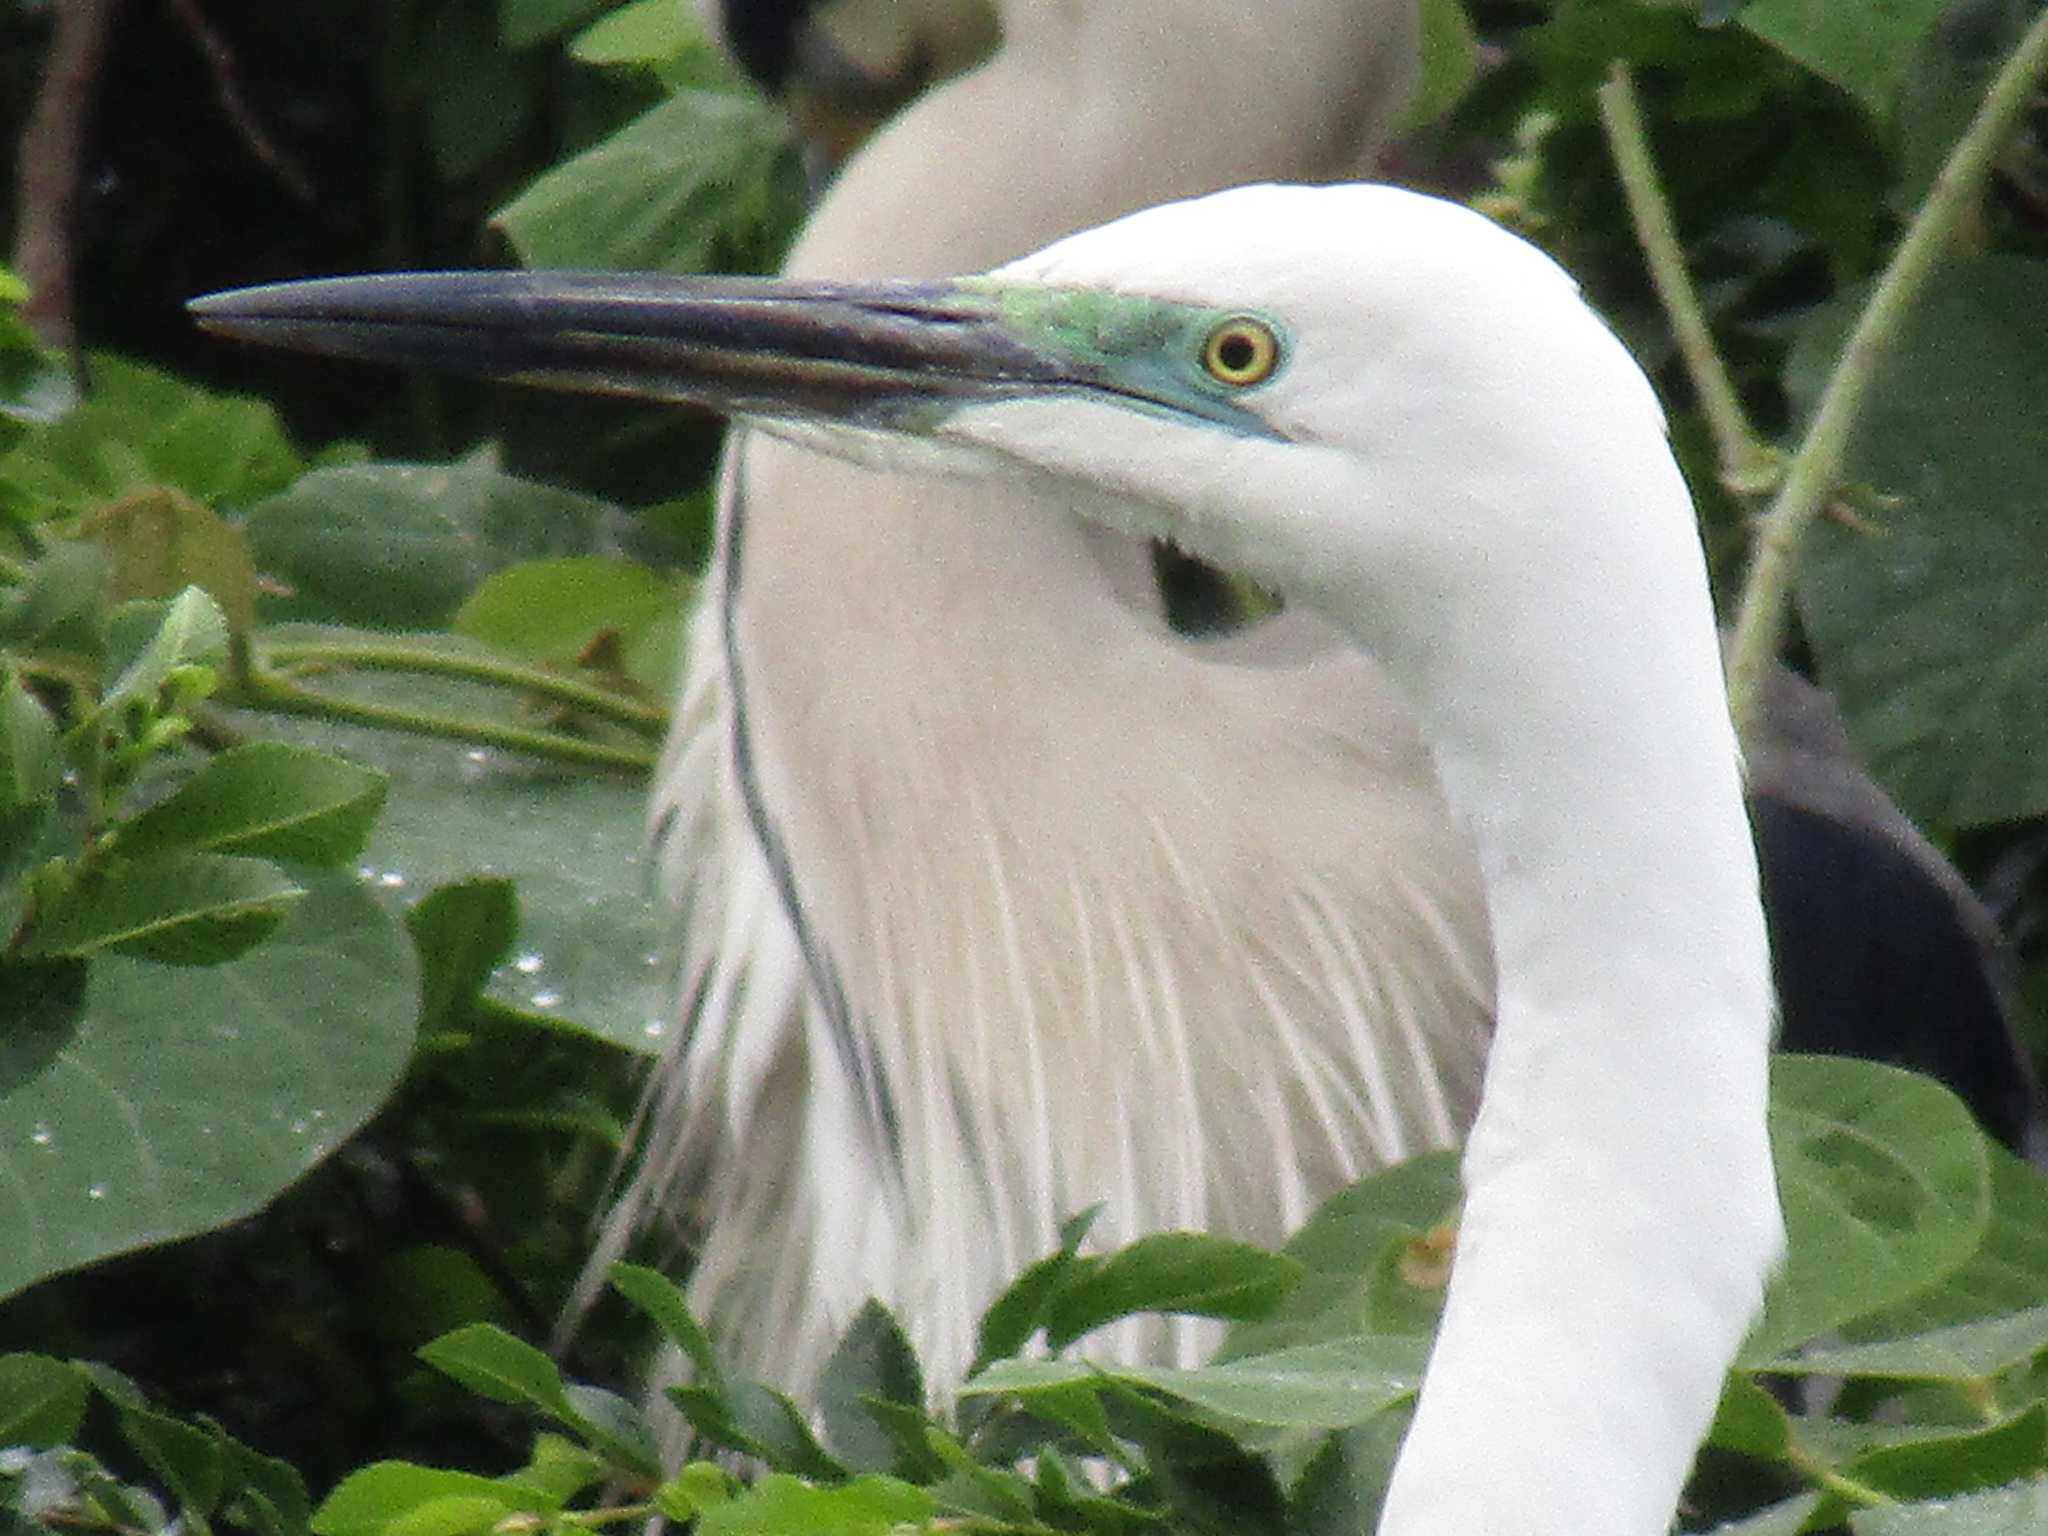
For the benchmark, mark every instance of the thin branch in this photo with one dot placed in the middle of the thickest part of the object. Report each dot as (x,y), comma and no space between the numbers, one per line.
(1815,471)
(49,166)
(370,656)
(1747,465)
(234,106)
(267,691)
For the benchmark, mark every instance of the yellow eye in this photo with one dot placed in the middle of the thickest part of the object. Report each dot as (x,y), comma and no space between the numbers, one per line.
(1241,351)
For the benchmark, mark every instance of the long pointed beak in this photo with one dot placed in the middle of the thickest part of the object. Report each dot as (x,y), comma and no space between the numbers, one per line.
(863,354)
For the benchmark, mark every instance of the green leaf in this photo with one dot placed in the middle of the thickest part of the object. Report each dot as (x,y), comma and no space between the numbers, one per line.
(1450,60)
(614,1426)
(593,935)
(31,763)
(1931,632)
(42,1401)
(1374,1257)
(524,22)
(174,908)
(160,541)
(642,32)
(399,546)
(1318,1386)
(1190,1273)
(192,632)
(463,931)
(1864,48)
(1750,1422)
(401,1498)
(1945,1464)
(702,178)
(2007,1272)
(873,1360)
(267,1483)
(1964,1353)
(189,1097)
(2020,1511)
(661,1299)
(1886,1188)
(1020,1311)
(760,1422)
(491,1362)
(62,604)
(191,1462)
(555,610)
(780,1504)
(268,799)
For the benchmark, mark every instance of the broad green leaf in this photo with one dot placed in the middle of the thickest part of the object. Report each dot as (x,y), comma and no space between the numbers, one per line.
(1318,1386)
(1864,47)
(488,1360)
(1886,1187)
(2016,1511)
(269,799)
(399,546)
(176,908)
(189,1097)
(1190,1273)
(31,765)
(1375,1258)
(1020,1311)
(276,1484)
(375,1500)
(873,1360)
(463,931)
(1931,631)
(661,1299)
(867,1506)
(1450,60)
(62,603)
(1750,1421)
(701,182)
(192,632)
(2007,1272)
(1965,1352)
(42,1401)
(760,1422)
(160,541)
(592,935)
(614,1426)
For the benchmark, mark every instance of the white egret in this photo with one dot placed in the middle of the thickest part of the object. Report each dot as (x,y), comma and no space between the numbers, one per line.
(1405,419)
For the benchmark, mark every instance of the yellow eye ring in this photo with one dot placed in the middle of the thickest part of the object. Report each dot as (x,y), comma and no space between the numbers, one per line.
(1241,351)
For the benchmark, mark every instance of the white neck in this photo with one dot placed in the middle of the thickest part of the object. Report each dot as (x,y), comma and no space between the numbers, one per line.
(1621,1213)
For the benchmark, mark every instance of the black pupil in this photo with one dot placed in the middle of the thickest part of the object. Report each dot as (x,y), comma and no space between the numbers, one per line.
(1235,352)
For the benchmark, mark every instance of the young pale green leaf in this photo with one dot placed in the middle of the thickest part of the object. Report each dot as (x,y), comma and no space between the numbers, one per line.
(1886,1186)
(491,1362)
(702,176)
(173,908)
(1318,1386)
(192,632)
(267,799)
(31,763)
(1190,1273)
(188,1096)
(2016,1511)
(873,1360)
(390,1497)
(662,1300)
(42,1401)
(780,1505)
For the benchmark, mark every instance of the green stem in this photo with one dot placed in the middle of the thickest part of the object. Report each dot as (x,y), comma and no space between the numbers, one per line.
(1816,469)
(1748,466)
(1826,1478)
(267,691)
(370,656)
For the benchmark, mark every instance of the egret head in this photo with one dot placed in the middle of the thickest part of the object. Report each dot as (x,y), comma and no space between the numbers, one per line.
(1370,400)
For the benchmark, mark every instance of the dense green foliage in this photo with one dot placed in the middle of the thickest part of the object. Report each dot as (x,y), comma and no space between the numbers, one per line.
(327,941)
